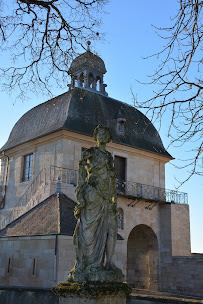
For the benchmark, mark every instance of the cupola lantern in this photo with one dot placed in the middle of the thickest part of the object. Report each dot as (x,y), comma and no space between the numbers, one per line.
(87,72)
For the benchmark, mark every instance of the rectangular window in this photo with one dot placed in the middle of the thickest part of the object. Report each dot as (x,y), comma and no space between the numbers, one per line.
(120,167)
(27,169)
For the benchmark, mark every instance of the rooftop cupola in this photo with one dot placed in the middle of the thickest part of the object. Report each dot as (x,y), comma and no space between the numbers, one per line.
(87,71)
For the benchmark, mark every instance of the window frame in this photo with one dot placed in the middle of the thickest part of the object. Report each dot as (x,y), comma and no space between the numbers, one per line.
(27,169)
(120,179)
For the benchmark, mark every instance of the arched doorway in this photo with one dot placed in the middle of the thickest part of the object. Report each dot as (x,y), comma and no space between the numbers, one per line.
(142,258)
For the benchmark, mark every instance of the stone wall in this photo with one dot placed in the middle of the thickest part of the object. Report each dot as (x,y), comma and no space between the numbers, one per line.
(27,295)
(45,296)
(27,261)
(65,257)
(183,275)
(180,226)
(142,168)
(38,261)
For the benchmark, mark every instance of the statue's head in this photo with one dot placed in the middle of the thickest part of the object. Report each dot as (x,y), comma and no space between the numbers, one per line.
(102,134)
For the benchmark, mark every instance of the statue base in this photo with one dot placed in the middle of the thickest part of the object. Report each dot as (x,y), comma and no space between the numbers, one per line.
(102,275)
(87,300)
(92,293)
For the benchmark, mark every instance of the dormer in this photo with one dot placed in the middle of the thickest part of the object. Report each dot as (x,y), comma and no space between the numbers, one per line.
(120,123)
(87,71)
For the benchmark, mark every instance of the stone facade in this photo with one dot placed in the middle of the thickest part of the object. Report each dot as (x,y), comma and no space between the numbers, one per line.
(63,149)
(141,167)
(150,237)
(183,275)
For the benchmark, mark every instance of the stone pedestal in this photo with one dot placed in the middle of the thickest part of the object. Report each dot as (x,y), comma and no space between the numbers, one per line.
(107,299)
(92,292)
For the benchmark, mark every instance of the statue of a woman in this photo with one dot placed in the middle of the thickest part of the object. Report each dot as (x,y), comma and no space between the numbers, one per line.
(96,230)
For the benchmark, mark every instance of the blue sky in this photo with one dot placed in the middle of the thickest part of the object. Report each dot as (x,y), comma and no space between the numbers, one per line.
(129,38)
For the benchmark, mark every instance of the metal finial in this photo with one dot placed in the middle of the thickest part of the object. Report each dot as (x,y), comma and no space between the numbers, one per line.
(58,189)
(88,45)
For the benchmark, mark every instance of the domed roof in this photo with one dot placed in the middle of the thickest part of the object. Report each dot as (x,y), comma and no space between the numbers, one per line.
(81,111)
(89,60)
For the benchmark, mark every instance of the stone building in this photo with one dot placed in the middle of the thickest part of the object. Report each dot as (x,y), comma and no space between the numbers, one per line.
(36,207)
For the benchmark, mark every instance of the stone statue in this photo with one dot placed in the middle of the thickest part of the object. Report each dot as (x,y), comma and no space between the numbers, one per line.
(96,230)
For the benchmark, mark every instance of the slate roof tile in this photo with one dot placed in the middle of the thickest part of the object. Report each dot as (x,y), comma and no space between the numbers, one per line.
(80,111)
(52,216)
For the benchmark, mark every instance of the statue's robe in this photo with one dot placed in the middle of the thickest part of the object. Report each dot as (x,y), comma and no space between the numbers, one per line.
(96,213)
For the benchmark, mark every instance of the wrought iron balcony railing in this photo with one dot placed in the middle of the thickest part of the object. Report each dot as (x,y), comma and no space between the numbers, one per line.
(68,176)
(128,189)
(152,193)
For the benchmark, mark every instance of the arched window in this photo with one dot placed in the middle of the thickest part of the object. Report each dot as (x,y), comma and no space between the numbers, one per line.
(98,84)
(74,81)
(120,218)
(81,80)
(90,80)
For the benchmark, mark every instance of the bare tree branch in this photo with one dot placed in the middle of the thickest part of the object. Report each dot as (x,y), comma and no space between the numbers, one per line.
(179,81)
(42,38)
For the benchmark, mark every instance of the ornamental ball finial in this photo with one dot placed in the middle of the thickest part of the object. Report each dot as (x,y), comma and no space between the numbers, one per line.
(88,45)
